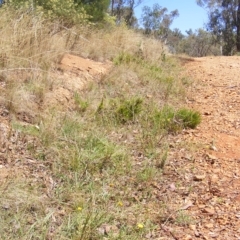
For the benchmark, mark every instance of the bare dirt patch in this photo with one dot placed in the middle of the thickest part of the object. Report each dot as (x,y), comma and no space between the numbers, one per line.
(80,66)
(216,93)
(74,74)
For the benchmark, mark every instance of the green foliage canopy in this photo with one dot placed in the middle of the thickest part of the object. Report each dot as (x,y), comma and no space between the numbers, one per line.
(224,22)
(157,20)
(94,8)
(71,11)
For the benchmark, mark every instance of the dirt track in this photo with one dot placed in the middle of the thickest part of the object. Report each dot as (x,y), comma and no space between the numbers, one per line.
(216,94)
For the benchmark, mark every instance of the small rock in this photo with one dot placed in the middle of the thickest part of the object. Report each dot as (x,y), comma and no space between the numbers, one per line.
(101,230)
(197,234)
(209,225)
(209,211)
(187,205)
(188,157)
(205,238)
(193,227)
(207,113)
(6,206)
(199,177)
(108,229)
(212,156)
(172,187)
(213,148)
(188,237)
(213,235)
(150,235)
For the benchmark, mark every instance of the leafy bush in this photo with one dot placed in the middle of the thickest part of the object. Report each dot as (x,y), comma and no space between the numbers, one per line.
(189,118)
(164,119)
(80,104)
(68,11)
(96,8)
(128,109)
(173,121)
(119,110)
(126,58)
(95,154)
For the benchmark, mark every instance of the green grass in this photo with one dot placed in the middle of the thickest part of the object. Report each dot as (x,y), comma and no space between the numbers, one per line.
(128,110)
(175,120)
(183,218)
(188,118)
(80,104)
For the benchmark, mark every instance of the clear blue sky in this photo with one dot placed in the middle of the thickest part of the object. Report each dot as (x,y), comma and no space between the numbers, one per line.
(190,14)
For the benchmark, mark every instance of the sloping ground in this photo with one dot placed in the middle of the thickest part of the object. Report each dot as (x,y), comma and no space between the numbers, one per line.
(201,181)
(216,94)
(73,75)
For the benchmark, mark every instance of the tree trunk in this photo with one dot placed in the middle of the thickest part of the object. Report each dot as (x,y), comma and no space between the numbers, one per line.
(238,27)
(112,7)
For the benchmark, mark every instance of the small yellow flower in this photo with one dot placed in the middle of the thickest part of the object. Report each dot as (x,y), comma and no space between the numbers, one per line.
(79,209)
(120,204)
(140,226)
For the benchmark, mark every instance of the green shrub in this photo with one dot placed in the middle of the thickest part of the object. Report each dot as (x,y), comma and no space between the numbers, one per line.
(94,154)
(80,104)
(164,119)
(174,121)
(69,11)
(128,109)
(95,8)
(189,118)
(125,58)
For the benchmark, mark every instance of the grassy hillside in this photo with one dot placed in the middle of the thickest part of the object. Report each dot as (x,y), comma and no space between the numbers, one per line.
(86,170)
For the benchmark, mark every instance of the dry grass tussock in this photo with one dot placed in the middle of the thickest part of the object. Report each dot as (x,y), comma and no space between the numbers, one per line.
(31,46)
(108,43)
(87,170)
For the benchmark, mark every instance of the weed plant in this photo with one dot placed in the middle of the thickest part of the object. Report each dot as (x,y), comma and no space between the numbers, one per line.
(175,120)
(188,118)
(128,110)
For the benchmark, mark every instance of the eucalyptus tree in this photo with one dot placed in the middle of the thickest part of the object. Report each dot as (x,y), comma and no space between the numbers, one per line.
(198,43)
(157,20)
(72,11)
(124,11)
(94,8)
(224,22)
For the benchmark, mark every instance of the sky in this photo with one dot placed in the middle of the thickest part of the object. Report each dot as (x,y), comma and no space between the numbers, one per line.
(190,14)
